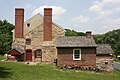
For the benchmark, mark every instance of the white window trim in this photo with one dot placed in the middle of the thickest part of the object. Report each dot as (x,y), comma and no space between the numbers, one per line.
(79,56)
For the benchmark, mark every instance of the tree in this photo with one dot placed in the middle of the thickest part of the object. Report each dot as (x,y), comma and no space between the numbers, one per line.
(5,35)
(112,38)
(81,34)
(98,38)
(117,49)
(69,32)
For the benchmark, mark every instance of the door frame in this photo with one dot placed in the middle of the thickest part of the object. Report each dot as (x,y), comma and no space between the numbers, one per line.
(30,52)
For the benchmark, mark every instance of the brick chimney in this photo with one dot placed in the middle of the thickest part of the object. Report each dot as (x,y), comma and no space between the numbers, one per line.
(47,24)
(19,22)
(88,34)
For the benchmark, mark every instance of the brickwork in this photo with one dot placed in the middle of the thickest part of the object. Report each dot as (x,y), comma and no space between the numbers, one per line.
(88,34)
(65,57)
(47,24)
(19,22)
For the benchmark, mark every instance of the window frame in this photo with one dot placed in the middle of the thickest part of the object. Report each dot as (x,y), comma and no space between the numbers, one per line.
(27,41)
(74,54)
(38,54)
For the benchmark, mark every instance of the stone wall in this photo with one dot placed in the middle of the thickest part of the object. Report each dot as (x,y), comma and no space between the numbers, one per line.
(19,45)
(105,62)
(49,51)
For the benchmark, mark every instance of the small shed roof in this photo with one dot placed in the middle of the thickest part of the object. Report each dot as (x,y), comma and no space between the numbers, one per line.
(104,49)
(20,50)
(14,52)
(75,41)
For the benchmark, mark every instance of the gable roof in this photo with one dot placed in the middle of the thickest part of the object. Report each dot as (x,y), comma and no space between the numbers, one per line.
(104,49)
(14,52)
(75,41)
(36,21)
(20,50)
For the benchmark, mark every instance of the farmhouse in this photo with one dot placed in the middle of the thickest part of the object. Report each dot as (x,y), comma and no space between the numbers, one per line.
(40,40)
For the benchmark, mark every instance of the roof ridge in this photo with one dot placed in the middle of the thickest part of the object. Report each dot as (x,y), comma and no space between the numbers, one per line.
(34,16)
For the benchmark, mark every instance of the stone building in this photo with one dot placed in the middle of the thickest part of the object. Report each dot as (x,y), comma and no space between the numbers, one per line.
(36,37)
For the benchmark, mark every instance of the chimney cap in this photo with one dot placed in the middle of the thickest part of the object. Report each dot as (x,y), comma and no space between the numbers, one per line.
(19,8)
(47,8)
(88,34)
(88,31)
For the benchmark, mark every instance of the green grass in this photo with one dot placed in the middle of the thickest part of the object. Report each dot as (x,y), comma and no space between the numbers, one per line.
(20,71)
(2,57)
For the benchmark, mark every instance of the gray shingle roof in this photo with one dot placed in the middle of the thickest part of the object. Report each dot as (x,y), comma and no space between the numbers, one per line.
(20,50)
(104,49)
(75,41)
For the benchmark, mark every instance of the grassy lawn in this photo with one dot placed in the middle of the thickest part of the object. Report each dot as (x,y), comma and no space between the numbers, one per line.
(1,57)
(21,71)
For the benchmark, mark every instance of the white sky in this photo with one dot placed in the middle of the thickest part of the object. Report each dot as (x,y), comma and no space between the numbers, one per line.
(98,16)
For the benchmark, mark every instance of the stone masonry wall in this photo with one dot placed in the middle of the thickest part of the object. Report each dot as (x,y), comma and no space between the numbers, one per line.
(19,44)
(105,62)
(49,51)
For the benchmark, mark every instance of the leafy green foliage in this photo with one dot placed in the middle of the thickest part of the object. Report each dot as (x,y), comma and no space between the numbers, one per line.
(69,32)
(2,57)
(112,38)
(5,36)
(117,48)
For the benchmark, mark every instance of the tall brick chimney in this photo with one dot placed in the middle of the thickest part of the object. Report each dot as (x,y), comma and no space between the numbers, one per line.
(47,24)
(19,22)
(88,34)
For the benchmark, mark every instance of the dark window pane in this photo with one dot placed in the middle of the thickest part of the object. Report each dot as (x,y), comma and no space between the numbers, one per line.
(28,41)
(76,54)
(38,53)
(28,24)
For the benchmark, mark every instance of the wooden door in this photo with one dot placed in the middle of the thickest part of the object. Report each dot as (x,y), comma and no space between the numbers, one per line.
(29,55)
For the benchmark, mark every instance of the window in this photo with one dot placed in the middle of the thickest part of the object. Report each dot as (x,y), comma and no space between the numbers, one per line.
(106,62)
(38,53)
(28,41)
(28,24)
(76,54)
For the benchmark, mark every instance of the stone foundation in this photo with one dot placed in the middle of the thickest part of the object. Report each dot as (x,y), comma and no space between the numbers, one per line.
(105,63)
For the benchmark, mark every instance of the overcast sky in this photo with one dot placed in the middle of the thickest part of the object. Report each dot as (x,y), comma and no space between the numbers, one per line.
(98,16)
